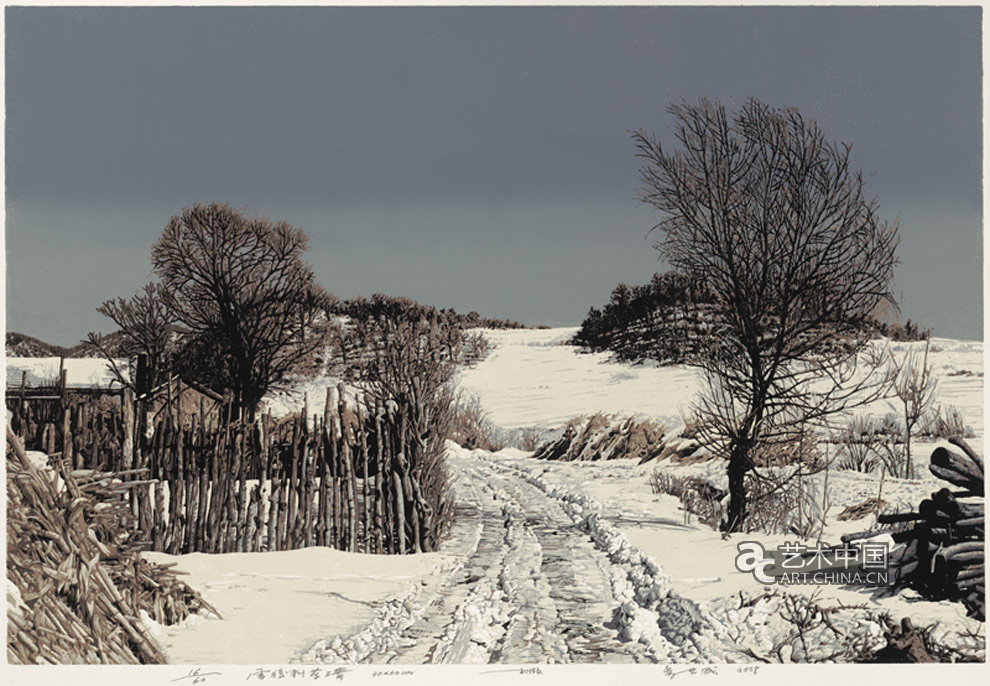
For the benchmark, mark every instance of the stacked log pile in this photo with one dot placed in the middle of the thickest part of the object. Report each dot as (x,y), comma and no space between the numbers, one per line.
(943,557)
(75,585)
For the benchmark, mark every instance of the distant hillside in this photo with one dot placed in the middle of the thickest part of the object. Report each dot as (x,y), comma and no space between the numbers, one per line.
(662,321)
(22,345)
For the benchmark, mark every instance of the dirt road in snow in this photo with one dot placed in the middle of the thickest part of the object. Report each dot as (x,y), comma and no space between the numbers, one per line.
(538,581)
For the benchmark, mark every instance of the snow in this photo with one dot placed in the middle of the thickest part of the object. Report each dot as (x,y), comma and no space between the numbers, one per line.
(80,372)
(533,379)
(575,561)
(700,565)
(275,605)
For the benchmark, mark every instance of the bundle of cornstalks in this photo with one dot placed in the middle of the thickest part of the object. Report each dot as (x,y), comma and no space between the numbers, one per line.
(75,584)
(606,437)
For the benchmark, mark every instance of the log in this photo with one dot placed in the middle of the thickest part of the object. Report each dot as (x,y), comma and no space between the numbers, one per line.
(970,582)
(907,569)
(970,572)
(961,470)
(400,515)
(967,557)
(975,459)
(308,485)
(971,510)
(956,478)
(273,507)
(964,547)
(896,518)
(365,486)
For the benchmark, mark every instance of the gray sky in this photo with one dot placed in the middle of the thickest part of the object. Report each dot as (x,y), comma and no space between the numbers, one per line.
(475,158)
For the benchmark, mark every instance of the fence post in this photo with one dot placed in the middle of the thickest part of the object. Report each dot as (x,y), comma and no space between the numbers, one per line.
(365,490)
(379,479)
(67,438)
(400,514)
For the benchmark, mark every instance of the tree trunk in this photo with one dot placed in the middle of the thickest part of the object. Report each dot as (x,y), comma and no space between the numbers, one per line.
(739,464)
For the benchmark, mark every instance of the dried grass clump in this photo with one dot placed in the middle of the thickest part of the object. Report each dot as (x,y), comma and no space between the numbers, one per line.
(698,497)
(75,584)
(943,423)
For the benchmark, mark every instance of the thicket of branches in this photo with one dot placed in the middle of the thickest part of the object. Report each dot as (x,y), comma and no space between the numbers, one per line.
(769,212)
(362,308)
(661,320)
(146,326)
(664,321)
(403,355)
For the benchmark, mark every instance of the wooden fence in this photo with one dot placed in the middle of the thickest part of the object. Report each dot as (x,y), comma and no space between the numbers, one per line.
(86,429)
(356,478)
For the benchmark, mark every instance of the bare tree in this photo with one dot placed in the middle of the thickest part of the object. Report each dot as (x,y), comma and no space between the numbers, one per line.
(146,327)
(768,213)
(251,303)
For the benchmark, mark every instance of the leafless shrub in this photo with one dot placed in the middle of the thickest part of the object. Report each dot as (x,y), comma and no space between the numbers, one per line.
(407,364)
(782,502)
(529,439)
(471,427)
(914,385)
(801,448)
(146,325)
(697,496)
(856,445)
(869,444)
(813,633)
(969,646)
(909,643)
(818,633)
(474,348)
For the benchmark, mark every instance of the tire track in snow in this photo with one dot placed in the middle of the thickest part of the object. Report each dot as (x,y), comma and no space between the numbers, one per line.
(538,580)
(673,628)
(575,578)
(401,624)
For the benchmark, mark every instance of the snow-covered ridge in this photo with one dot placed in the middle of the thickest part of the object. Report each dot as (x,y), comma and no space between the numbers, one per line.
(531,378)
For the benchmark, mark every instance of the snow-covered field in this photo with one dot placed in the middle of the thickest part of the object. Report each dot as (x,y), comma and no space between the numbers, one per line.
(44,371)
(275,605)
(533,379)
(557,562)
